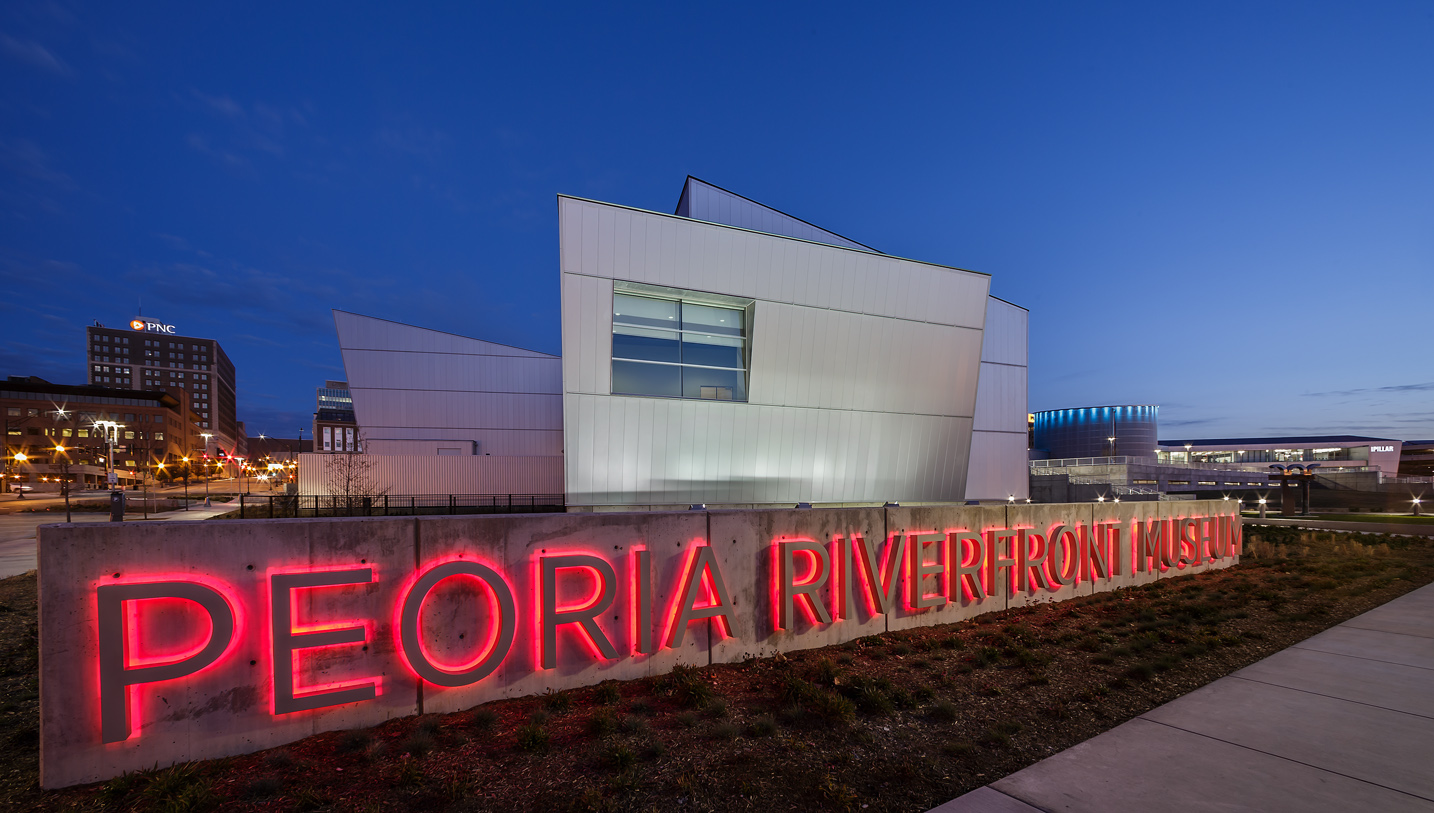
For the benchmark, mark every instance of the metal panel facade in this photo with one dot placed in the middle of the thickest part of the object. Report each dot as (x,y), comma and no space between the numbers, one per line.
(863,371)
(999,440)
(412,384)
(703,201)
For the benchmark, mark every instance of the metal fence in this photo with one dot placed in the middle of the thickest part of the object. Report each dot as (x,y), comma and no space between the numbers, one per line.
(253,506)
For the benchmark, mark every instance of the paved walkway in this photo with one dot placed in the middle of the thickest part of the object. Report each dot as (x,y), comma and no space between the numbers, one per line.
(17,531)
(1317,524)
(1343,721)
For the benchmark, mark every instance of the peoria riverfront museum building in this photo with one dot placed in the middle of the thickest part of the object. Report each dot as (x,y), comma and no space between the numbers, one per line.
(726,354)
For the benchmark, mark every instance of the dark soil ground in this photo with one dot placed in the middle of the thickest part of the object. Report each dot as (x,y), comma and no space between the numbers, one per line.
(895,722)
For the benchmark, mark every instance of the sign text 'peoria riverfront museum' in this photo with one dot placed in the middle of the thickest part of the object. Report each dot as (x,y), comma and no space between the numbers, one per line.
(727,357)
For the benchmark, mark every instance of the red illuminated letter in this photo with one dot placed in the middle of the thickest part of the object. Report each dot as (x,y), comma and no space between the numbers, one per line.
(701,570)
(1031,567)
(585,614)
(995,562)
(861,568)
(789,590)
(1063,559)
(288,638)
(917,571)
(966,572)
(502,618)
(115,647)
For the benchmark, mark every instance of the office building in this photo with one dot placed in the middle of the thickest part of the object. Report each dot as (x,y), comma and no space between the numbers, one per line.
(334,427)
(150,355)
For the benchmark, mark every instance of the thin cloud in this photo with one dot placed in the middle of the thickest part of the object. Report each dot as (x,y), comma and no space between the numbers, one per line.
(223,105)
(25,158)
(1426,386)
(33,54)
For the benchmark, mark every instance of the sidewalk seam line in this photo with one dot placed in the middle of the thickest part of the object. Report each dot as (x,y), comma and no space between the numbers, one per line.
(1348,625)
(1334,697)
(1358,658)
(1290,759)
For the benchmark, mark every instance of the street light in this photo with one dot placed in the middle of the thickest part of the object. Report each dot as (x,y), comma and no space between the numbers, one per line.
(111,430)
(1416,506)
(186,482)
(206,436)
(65,479)
(19,457)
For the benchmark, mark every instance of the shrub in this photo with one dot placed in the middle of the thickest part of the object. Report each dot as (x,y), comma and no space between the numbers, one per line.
(607,694)
(484,719)
(945,711)
(602,723)
(558,702)
(533,738)
(762,727)
(685,685)
(1140,671)
(418,743)
(831,707)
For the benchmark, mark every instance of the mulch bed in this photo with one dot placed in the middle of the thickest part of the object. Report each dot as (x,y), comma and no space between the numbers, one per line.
(896,722)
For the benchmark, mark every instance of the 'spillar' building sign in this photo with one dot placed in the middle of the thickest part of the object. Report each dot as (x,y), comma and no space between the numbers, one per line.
(151,327)
(223,638)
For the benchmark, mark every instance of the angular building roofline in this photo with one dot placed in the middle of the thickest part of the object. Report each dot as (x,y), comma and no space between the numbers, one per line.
(765,206)
(444,332)
(561,196)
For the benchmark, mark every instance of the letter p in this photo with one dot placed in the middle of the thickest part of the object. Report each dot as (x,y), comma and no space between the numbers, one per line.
(116,677)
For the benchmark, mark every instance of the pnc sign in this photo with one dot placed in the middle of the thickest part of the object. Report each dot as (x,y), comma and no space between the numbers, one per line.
(151,327)
(211,639)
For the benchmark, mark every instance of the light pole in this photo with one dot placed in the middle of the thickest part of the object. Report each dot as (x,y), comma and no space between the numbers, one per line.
(64,479)
(206,436)
(20,458)
(1416,506)
(186,482)
(111,430)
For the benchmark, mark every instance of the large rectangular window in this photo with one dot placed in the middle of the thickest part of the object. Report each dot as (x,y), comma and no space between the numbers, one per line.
(673,348)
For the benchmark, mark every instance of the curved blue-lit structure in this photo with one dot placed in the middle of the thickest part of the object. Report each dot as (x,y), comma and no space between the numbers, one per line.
(1088,431)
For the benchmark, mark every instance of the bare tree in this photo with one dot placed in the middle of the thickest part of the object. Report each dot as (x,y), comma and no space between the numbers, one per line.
(352,477)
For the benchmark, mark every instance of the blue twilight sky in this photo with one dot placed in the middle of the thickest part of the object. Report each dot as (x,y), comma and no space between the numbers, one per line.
(1224,209)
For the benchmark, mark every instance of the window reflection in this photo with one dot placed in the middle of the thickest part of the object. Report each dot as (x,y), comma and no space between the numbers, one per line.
(675,349)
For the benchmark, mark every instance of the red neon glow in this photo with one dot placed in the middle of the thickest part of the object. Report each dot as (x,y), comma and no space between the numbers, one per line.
(919,560)
(490,599)
(886,570)
(297,629)
(135,639)
(957,546)
(635,597)
(708,589)
(811,573)
(599,586)
(136,654)
(1066,573)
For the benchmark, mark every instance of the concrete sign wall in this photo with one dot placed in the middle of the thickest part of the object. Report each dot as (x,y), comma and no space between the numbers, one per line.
(176,641)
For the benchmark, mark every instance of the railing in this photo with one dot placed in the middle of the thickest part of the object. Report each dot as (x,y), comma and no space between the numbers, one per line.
(1069,462)
(1408,479)
(254,506)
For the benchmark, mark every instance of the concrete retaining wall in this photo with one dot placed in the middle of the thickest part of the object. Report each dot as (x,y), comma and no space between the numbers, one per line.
(230,707)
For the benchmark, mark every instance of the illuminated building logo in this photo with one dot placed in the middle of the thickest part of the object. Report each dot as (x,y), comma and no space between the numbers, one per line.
(151,327)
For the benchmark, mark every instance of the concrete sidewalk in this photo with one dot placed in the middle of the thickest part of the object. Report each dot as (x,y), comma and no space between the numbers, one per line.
(1341,721)
(18,538)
